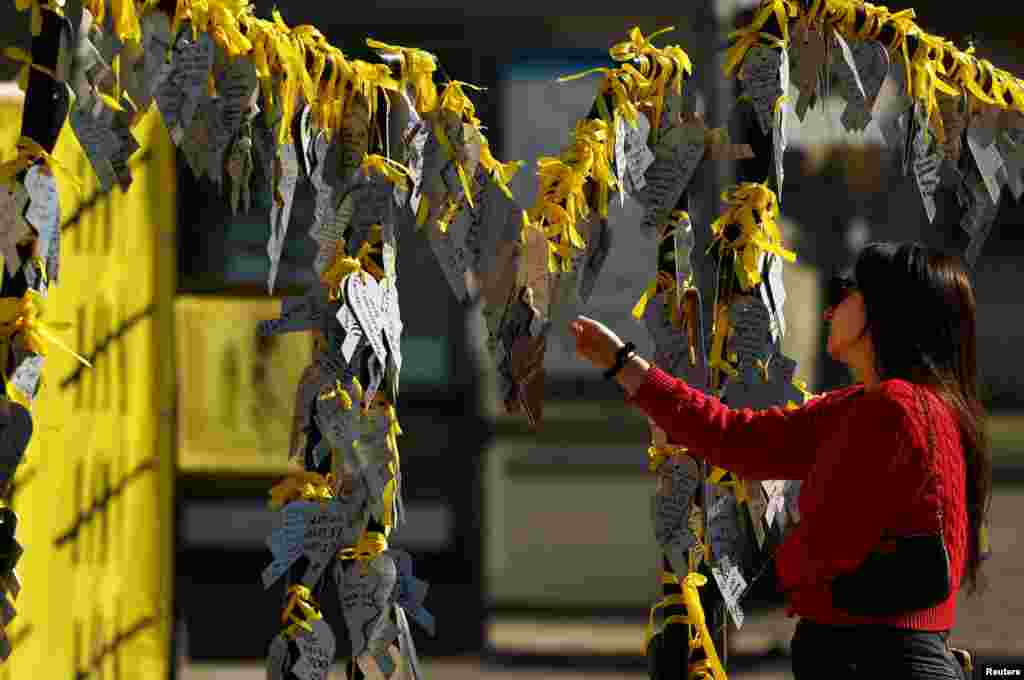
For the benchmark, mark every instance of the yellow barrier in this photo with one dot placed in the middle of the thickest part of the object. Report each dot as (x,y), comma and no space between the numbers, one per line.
(95,493)
(237,389)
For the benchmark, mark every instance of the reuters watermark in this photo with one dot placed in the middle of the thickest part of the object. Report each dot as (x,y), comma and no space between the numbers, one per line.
(1001,670)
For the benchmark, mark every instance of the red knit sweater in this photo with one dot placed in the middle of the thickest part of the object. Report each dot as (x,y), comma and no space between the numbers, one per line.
(866,466)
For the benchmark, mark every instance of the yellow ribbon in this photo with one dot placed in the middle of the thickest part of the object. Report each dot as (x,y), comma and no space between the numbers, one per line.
(393,171)
(561,200)
(753,208)
(655,66)
(739,488)
(751,35)
(700,637)
(366,262)
(801,387)
(338,392)
(442,139)
(299,598)
(370,544)
(928,69)
(417,69)
(304,485)
(501,173)
(717,362)
(663,282)
(339,269)
(657,455)
(224,26)
(126,22)
(24,315)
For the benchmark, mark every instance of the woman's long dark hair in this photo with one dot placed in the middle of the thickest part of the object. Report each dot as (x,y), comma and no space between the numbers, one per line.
(920,309)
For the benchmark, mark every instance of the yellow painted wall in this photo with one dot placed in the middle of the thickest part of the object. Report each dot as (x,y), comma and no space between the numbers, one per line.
(95,493)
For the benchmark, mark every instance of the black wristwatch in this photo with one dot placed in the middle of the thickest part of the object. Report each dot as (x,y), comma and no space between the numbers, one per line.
(621,357)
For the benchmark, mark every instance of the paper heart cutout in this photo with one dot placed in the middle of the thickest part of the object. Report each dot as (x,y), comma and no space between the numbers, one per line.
(365,298)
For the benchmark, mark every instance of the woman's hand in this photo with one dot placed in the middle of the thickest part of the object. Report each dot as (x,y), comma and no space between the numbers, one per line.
(595,342)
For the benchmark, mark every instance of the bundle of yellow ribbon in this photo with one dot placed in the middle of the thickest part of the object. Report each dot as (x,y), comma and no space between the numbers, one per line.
(583,171)
(934,66)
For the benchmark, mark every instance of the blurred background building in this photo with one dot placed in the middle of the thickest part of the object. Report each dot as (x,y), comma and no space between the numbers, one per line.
(538,546)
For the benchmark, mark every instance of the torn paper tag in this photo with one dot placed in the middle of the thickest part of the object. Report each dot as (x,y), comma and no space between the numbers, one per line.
(533,269)
(302,412)
(979,213)
(278,659)
(338,425)
(316,652)
(195,145)
(304,141)
(285,541)
(126,146)
(774,489)
(526,364)
(495,220)
(330,231)
(13,227)
(373,205)
(44,204)
(236,84)
(896,118)
(749,338)
(872,63)
(328,528)
(416,138)
(195,59)
(732,585)
(773,294)
(953,111)
(156,66)
(678,153)
(391,316)
(1011,148)
(779,137)
(636,156)
(286,175)
(305,313)
(986,156)
(807,51)
(762,81)
(366,592)
(98,142)
(26,376)
(927,163)
(756,505)
(452,257)
(682,248)
(239,169)
(723,528)
(407,647)
(365,298)
(792,501)
(678,479)
(354,336)
(846,75)
(671,345)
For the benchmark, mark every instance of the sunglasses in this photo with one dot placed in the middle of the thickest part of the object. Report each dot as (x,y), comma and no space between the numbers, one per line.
(839,287)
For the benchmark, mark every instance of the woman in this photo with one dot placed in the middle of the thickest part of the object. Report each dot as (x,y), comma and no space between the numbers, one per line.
(903,452)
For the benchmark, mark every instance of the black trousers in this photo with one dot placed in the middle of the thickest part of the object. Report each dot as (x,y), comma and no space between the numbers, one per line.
(845,653)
